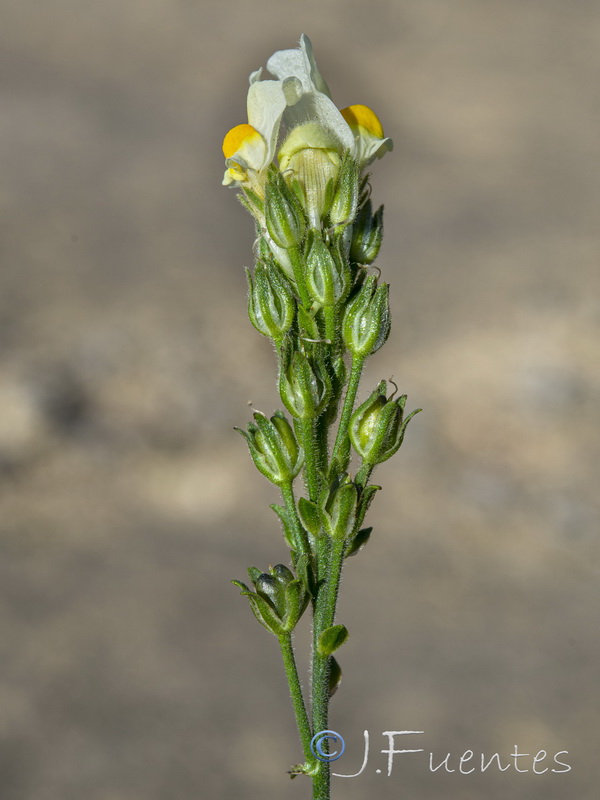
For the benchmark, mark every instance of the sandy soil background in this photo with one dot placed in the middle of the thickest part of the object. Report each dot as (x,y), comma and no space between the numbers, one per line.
(130,668)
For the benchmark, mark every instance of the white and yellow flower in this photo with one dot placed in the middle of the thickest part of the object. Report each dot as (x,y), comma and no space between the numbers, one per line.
(250,148)
(294,119)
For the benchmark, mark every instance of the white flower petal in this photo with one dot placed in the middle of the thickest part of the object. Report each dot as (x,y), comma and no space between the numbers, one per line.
(292,89)
(290,64)
(266,104)
(255,76)
(301,64)
(369,148)
(317,107)
(315,104)
(317,79)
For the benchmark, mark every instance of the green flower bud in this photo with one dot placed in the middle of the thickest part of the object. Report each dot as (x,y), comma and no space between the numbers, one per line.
(377,426)
(367,234)
(284,216)
(271,302)
(327,274)
(279,599)
(366,323)
(345,198)
(272,590)
(283,574)
(273,447)
(304,385)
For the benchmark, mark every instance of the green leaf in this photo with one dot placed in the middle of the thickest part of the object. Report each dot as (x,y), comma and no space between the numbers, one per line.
(335,676)
(331,639)
(288,531)
(294,605)
(254,573)
(310,516)
(305,571)
(265,614)
(359,541)
(364,501)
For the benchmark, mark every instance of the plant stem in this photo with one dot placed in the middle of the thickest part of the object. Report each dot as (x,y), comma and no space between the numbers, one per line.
(299,267)
(341,449)
(311,456)
(331,326)
(287,492)
(324,616)
(291,671)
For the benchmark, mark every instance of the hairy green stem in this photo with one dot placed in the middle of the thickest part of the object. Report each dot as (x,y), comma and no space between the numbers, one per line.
(341,449)
(324,616)
(331,326)
(299,269)
(291,671)
(308,435)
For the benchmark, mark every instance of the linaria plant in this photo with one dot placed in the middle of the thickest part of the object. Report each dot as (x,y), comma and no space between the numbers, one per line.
(299,166)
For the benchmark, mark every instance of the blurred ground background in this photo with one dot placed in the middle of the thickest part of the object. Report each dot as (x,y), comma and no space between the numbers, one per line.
(129,667)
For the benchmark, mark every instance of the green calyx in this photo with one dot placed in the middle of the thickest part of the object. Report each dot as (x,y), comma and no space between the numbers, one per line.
(271,301)
(273,447)
(377,426)
(345,198)
(367,235)
(284,216)
(366,321)
(279,598)
(328,277)
(304,384)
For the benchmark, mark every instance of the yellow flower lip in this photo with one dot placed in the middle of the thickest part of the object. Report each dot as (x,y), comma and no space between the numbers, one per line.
(236,137)
(362,117)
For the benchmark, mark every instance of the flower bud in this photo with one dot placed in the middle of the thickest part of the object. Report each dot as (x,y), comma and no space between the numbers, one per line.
(345,198)
(367,235)
(279,599)
(271,303)
(327,274)
(304,385)
(273,447)
(271,589)
(366,323)
(377,426)
(283,574)
(284,217)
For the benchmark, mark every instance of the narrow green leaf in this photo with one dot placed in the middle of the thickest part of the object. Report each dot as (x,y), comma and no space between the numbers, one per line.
(364,501)
(288,531)
(359,541)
